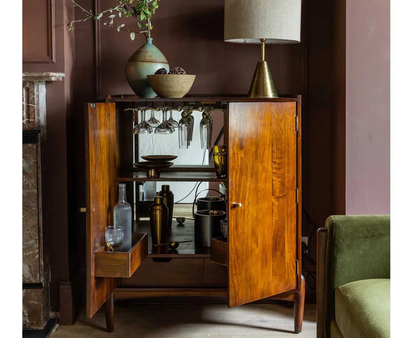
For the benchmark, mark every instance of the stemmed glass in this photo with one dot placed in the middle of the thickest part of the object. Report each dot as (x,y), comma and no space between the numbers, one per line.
(171,121)
(165,127)
(205,128)
(143,127)
(185,128)
(153,121)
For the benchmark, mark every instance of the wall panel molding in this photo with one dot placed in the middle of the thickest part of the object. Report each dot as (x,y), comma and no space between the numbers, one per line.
(45,37)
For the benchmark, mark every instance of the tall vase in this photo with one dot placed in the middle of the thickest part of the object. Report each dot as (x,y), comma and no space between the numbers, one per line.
(145,61)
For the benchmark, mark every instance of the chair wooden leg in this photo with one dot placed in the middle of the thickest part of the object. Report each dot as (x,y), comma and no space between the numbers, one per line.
(109,313)
(300,306)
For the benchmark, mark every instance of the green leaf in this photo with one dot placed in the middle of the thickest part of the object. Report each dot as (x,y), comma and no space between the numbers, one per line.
(119,14)
(132,35)
(99,16)
(112,16)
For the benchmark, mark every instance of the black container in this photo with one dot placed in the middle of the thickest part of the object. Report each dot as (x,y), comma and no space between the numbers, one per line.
(210,203)
(207,226)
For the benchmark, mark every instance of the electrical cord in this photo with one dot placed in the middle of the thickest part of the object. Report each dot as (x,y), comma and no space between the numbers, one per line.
(311,222)
(310,275)
(196,184)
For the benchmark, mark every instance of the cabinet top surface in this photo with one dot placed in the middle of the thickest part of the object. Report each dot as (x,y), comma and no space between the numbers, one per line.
(202,98)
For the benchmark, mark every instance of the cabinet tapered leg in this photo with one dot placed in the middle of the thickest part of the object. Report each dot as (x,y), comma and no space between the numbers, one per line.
(300,306)
(109,313)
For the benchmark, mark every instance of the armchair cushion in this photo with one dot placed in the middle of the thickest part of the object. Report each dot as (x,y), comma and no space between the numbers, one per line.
(362,308)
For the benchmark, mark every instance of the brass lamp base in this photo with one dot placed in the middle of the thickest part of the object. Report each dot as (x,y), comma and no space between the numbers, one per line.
(262,85)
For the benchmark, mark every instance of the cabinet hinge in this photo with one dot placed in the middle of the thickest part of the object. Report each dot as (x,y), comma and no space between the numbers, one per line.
(297,123)
(297,268)
(297,195)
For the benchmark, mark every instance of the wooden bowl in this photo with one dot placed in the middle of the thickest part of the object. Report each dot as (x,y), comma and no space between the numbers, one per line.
(172,86)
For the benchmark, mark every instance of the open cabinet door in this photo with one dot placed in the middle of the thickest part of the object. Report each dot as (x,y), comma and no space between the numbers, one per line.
(101,171)
(262,236)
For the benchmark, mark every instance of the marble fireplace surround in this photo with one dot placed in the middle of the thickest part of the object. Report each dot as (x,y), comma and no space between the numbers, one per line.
(36,271)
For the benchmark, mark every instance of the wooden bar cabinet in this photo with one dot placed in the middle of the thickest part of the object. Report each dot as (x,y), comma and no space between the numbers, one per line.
(262,257)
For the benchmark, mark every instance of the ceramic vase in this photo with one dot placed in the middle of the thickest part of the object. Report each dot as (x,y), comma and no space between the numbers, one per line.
(145,61)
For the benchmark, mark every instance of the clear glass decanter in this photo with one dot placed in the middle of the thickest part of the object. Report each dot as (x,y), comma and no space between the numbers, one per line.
(122,217)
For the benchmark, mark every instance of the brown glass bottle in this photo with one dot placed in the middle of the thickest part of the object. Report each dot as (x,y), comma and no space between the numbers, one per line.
(159,221)
(168,200)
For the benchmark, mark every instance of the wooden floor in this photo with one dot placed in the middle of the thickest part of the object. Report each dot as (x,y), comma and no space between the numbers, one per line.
(186,321)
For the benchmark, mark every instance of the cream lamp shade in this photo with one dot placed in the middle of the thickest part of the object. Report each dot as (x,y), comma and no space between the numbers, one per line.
(248,21)
(261,22)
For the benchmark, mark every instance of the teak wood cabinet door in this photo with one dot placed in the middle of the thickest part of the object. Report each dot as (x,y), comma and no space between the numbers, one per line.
(262,240)
(101,174)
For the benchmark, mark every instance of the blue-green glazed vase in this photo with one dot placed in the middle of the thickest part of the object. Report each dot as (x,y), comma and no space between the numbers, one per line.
(145,61)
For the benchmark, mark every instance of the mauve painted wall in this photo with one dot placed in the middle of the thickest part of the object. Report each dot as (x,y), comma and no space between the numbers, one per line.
(59,135)
(367,107)
(191,35)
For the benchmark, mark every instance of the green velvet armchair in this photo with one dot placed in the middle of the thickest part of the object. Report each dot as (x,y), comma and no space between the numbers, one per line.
(353,291)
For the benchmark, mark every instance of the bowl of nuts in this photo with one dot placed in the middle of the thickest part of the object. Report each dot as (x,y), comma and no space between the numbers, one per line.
(173,85)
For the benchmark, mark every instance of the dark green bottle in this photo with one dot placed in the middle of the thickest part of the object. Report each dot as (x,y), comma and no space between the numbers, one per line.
(168,200)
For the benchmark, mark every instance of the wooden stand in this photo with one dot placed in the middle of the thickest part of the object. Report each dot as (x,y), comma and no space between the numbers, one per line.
(263,137)
(109,313)
(300,306)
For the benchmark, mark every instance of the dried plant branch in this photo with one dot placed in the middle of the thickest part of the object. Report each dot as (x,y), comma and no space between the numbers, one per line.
(140,10)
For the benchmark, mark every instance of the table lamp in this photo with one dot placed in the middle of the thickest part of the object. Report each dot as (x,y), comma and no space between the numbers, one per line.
(261,22)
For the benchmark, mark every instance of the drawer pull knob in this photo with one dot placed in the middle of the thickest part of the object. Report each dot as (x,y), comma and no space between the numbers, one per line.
(236,205)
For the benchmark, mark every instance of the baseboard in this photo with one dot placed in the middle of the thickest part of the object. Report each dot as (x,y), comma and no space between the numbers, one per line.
(47,330)
(70,297)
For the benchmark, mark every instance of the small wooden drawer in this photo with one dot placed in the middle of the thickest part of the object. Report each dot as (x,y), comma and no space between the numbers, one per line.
(219,251)
(121,264)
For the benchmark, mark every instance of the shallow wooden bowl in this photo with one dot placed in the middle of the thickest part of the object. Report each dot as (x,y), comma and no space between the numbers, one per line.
(171,86)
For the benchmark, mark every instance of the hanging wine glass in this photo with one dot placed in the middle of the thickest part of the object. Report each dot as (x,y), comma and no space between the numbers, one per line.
(143,127)
(185,127)
(153,121)
(191,129)
(172,122)
(205,128)
(135,117)
(165,127)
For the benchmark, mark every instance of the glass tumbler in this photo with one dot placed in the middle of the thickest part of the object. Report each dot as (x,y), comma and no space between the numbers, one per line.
(224,228)
(114,236)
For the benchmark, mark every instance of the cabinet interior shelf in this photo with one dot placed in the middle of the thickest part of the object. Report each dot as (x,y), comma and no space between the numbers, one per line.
(200,98)
(170,176)
(184,232)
